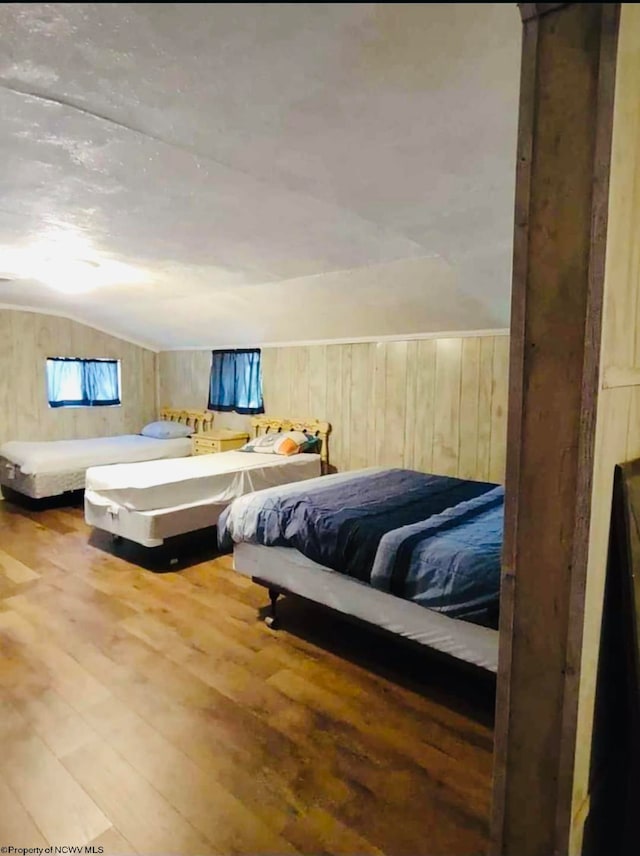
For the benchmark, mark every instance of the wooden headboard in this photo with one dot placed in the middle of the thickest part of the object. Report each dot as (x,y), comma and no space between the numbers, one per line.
(269,424)
(199,420)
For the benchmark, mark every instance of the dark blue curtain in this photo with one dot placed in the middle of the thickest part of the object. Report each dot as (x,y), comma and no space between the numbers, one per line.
(235,382)
(75,382)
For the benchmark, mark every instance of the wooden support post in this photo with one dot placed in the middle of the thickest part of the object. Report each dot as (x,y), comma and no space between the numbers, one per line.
(566,107)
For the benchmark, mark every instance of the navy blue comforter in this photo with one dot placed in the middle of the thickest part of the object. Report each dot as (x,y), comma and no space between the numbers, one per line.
(431,539)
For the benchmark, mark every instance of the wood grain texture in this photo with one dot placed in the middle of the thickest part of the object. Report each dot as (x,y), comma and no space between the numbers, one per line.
(446,435)
(435,405)
(615,376)
(157,714)
(200,421)
(517,343)
(618,422)
(622,304)
(528,11)
(556,312)
(315,427)
(27,339)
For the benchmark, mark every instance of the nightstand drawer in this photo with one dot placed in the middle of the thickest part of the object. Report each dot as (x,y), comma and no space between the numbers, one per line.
(210,443)
(206,447)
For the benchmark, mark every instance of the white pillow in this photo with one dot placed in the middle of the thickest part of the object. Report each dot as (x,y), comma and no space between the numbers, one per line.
(264,444)
(166,430)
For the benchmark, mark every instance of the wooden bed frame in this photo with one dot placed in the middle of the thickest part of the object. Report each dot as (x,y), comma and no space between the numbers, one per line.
(199,420)
(316,427)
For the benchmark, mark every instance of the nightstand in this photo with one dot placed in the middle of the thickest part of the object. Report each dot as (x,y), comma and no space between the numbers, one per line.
(209,442)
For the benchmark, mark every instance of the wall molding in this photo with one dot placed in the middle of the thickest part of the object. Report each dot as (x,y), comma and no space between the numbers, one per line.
(303,343)
(351,340)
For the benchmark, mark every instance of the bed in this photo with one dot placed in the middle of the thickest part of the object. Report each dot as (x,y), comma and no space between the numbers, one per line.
(46,469)
(414,554)
(150,502)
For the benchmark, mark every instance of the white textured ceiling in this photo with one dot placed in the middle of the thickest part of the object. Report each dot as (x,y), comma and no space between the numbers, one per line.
(275,172)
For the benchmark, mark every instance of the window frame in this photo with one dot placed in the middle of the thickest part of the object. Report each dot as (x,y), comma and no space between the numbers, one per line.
(233,406)
(85,404)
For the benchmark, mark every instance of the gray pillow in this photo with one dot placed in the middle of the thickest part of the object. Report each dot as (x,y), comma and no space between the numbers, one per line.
(166,430)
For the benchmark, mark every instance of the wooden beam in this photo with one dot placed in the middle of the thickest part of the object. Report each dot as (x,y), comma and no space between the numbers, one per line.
(566,107)
(528,11)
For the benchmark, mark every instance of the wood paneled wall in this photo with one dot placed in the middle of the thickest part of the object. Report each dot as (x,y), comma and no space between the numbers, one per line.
(618,415)
(437,405)
(27,339)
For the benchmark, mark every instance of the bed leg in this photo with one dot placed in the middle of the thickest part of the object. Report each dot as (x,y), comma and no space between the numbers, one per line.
(272,619)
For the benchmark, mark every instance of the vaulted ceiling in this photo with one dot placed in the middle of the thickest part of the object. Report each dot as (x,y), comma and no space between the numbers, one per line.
(253,173)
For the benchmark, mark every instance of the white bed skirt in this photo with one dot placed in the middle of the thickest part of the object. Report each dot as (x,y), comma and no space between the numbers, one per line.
(290,570)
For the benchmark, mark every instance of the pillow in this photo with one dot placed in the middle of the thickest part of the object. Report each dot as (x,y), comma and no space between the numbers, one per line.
(311,444)
(264,444)
(291,443)
(282,443)
(166,430)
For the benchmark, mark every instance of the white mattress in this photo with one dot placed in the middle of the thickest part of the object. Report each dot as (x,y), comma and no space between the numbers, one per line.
(217,478)
(290,570)
(65,456)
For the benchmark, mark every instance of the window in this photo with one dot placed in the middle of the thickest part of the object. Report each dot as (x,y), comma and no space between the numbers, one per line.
(235,382)
(76,382)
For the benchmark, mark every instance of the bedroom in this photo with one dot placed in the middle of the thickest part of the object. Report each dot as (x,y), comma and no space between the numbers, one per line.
(350,213)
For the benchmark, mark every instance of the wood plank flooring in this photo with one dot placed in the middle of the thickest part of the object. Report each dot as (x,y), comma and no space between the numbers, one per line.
(155,713)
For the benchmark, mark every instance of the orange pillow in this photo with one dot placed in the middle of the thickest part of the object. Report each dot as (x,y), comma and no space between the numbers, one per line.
(291,443)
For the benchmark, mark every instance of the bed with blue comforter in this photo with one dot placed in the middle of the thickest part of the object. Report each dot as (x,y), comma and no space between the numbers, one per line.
(433,540)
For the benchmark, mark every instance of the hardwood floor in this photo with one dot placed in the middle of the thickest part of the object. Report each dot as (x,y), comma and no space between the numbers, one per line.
(155,713)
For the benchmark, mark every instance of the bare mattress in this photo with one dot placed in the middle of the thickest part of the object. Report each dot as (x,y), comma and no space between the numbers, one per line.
(218,478)
(41,469)
(150,502)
